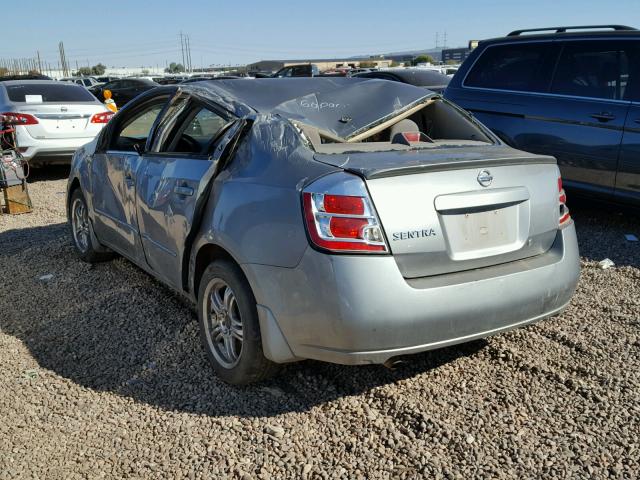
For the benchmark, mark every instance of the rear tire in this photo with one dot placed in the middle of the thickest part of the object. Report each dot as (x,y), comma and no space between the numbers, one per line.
(229,326)
(82,236)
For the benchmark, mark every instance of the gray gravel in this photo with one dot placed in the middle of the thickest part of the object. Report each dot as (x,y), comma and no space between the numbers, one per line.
(102,375)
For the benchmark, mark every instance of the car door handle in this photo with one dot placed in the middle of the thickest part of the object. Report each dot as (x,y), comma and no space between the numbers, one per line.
(603,116)
(637,120)
(184,191)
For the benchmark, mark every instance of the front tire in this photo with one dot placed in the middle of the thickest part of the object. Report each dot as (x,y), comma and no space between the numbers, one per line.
(82,231)
(229,326)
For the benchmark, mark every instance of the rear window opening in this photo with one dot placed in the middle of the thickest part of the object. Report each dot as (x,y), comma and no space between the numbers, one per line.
(435,123)
(49,93)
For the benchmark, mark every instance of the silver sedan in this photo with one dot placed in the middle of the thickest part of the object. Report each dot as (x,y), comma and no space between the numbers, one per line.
(337,219)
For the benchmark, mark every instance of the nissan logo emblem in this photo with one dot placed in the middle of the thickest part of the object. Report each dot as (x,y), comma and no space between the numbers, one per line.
(485,178)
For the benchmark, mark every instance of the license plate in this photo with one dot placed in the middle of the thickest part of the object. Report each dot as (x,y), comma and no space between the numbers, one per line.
(480,234)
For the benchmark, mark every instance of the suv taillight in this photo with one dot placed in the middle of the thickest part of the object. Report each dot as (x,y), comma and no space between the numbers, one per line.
(342,223)
(564,216)
(102,117)
(21,118)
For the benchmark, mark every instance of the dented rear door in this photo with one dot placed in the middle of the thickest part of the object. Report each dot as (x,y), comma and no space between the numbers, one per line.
(172,192)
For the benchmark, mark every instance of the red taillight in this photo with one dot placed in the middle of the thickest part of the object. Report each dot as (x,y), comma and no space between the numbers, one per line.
(102,117)
(21,118)
(342,223)
(411,137)
(562,200)
(343,204)
(346,227)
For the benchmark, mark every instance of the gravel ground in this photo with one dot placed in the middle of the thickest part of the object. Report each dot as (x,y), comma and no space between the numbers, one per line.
(102,375)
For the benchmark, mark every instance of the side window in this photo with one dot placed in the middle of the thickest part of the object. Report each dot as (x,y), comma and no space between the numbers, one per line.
(525,67)
(285,72)
(592,69)
(300,71)
(134,130)
(195,132)
(632,90)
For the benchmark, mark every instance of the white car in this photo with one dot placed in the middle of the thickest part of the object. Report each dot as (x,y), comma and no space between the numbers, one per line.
(53,118)
(87,82)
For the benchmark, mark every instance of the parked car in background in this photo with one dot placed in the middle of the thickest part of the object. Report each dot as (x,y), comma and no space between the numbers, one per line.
(84,81)
(202,79)
(448,70)
(432,80)
(124,90)
(451,70)
(334,219)
(353,71)
(170,79)
(260,74)
(570,92)
(304,70)
(54,118)
(106,78)
(335,72)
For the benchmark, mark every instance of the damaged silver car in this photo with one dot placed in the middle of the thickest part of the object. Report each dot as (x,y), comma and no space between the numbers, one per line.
(336,219)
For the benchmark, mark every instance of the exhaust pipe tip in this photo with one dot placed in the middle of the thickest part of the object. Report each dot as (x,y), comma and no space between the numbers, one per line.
(394,363)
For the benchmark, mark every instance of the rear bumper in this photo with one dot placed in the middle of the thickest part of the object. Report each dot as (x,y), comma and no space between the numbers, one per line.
(42,158)
(48,151)
(359,309)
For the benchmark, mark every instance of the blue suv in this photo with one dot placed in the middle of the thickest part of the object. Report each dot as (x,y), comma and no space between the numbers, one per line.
(570,92)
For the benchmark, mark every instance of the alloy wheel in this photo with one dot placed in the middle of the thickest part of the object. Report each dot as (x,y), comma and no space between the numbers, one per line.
(80,224)
(223,324)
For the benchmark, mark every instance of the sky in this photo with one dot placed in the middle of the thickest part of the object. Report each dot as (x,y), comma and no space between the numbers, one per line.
(132,33)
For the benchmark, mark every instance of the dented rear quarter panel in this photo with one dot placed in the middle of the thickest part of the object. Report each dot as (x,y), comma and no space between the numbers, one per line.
(254,210)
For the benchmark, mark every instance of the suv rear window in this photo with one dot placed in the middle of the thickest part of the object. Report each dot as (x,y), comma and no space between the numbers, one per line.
(50,93)
(593,69)
(524,67)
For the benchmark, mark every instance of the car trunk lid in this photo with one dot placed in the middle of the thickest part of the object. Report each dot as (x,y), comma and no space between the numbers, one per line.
(62,120)
(459,208)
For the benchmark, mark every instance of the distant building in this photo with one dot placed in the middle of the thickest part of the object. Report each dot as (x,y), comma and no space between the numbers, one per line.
(457,55)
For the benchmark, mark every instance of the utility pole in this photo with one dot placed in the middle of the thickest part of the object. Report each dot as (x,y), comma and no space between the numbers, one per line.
(445,40)
(182,47)
(189,54)
(63,60)
(437,38)
(39,62)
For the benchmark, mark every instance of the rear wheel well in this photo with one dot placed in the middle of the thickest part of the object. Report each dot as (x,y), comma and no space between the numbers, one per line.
(75,184)
(205,256)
